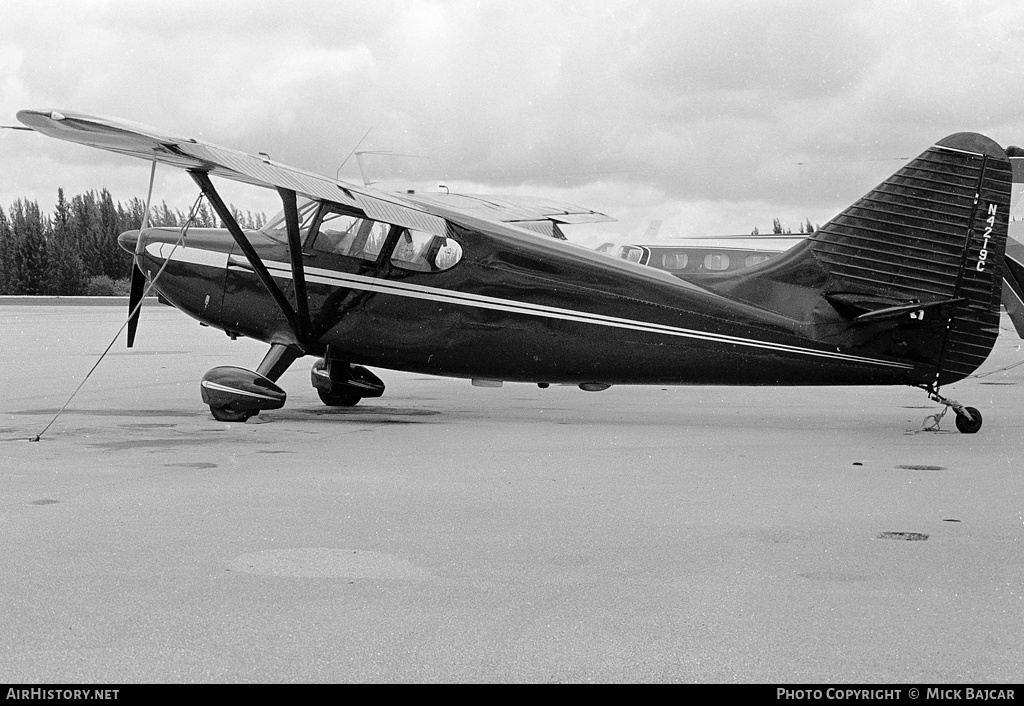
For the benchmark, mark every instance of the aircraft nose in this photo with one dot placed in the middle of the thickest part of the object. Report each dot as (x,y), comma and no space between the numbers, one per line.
(128,240)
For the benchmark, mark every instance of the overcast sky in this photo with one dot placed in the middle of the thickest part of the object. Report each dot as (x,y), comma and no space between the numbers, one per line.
(714,117)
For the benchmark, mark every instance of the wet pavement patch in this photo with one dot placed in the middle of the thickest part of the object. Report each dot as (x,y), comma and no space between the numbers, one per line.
(44,501)
(572,560)
(781,536)
(365,415)
(389,411)
(919,467)
(905,536)
(834,576)
(152,443)
(373,420)
(328,563)
(109,412)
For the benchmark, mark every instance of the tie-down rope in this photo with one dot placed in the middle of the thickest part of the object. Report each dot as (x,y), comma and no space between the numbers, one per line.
(193,213)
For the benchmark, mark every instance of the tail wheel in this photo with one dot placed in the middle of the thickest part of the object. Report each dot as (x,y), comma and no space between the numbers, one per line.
(968,426)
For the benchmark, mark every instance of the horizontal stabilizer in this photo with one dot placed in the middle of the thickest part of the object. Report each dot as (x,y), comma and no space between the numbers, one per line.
(864,308)
(899,312)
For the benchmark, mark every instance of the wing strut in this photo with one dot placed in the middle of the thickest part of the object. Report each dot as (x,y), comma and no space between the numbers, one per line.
(299,322)
(291,218)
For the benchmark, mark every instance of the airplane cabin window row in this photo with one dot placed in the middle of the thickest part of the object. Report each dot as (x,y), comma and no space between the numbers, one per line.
(333,231)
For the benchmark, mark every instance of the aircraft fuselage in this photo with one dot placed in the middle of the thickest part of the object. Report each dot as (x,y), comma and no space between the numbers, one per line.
(517,308)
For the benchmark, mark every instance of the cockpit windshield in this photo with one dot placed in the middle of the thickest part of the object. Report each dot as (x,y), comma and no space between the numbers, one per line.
(278,230)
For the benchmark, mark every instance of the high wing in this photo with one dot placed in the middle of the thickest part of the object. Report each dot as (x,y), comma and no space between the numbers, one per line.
(187,153)
(423,212)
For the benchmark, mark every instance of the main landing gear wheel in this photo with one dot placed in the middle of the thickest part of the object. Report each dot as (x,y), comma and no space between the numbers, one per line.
(341,384)
(965,425)
(225,414)
(338,399)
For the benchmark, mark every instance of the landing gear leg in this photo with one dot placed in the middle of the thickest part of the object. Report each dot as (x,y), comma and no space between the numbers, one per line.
(968,419)
(277,360)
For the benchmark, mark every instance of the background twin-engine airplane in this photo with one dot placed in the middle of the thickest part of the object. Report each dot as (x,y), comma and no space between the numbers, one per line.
(901,288)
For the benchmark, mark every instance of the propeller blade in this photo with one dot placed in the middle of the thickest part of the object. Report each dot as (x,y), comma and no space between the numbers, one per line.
(134,299)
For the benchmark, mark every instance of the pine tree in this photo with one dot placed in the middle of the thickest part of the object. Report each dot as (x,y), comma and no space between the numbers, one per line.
(206,218)
(130,217)
(29,256)
(6,254)
(113,264)
(85,220)
(66,272)
(164,216)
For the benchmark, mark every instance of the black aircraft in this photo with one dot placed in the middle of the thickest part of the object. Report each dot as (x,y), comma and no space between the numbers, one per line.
(901,288)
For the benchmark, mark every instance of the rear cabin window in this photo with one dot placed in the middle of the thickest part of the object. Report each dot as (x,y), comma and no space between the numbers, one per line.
(423,252)
(756,259)
(716,261)
(674,261)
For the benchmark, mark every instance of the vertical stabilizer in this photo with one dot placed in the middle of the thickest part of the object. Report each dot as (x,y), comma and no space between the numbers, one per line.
(934,233)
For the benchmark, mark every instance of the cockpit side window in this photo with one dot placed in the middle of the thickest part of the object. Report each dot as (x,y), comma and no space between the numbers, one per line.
(423,252)
(340,233)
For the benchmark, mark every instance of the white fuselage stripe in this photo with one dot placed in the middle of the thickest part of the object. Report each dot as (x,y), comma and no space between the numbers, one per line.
(414,291)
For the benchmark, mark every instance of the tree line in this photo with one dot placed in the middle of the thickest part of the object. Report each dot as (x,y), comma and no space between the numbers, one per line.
(74,250)
(778,229)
